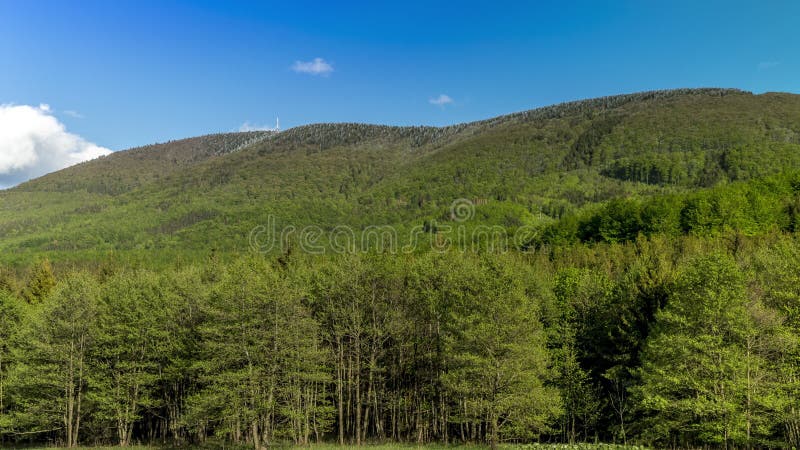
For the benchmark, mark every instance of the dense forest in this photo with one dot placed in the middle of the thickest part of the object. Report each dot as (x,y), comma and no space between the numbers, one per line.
(654,299)
(664,341)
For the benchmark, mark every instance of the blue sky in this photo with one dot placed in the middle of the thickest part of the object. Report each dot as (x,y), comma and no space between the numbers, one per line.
(122,74)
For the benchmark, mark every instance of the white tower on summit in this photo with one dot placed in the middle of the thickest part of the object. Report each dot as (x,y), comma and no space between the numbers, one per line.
(277,124)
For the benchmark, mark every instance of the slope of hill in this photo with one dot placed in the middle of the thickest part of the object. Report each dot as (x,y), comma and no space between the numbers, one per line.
(127,170)
(527,168)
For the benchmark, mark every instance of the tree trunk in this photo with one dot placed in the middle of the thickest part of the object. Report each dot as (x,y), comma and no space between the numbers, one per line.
(358,390)
(1,382)
(256,435)
(340,388)
(493,432)
(748,414)
(370,393)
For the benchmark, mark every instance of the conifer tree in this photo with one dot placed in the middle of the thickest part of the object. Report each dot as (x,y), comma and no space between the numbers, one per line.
(40,284)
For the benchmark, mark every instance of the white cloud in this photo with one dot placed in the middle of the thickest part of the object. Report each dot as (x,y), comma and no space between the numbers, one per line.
(766,65)
(441,100)
(316,67)
(72,113)
(33,142)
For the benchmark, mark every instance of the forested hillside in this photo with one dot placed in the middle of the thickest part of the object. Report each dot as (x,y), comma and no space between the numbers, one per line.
(621,269)
(528,168)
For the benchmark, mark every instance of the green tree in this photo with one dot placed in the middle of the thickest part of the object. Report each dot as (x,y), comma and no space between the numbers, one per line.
(778,283)
(132,344)
(49,380)
(7,281)
(10,316)
(702,368)
(41,282)
(262,363)
(499,360)
(187,295)
(578,294)
(358,302)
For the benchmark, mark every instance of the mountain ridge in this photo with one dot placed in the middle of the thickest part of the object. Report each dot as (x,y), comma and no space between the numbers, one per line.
(540,113)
